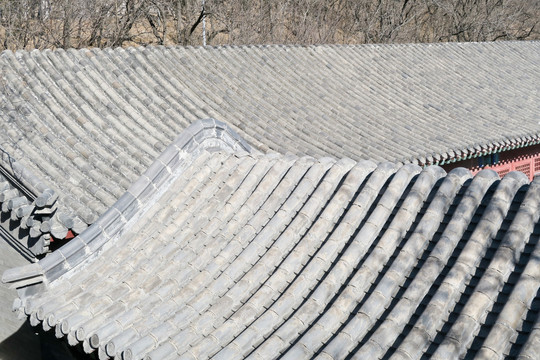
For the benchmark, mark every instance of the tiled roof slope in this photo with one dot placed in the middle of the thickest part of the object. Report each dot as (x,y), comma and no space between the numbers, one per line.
(87,123)
(400,102)
(234,255)
(84,191)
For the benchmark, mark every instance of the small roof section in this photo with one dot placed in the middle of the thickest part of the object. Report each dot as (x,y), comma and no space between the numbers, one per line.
(232,254)
(36,220)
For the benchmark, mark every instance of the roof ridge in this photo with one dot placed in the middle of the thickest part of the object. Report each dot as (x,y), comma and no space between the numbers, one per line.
(202,135)
(278,45)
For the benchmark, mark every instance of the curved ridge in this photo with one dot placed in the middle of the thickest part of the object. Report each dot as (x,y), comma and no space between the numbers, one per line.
(202,135)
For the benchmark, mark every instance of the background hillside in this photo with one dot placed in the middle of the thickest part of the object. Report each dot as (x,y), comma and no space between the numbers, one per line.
(28,24)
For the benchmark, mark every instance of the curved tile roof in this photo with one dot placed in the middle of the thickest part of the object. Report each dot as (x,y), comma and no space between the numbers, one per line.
(233,255)
(36,220)
(87,123)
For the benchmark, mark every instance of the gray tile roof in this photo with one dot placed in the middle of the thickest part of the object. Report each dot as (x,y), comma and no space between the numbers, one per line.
(33,220)
(232,254)
(84,124)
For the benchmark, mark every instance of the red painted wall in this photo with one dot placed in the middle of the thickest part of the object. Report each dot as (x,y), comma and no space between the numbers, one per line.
(526,160)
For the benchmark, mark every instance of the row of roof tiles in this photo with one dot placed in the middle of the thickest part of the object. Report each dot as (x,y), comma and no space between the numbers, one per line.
(229,254)
(97,118)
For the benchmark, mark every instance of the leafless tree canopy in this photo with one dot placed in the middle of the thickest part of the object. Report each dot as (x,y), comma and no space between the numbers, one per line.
(101,23)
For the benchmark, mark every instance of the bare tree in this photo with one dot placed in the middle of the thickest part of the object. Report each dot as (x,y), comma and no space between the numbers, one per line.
(88,23)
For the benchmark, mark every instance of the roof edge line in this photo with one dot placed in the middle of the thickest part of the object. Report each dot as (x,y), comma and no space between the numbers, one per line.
(38,199)
(21,175)
(206,134)
(490,148)
(201,132)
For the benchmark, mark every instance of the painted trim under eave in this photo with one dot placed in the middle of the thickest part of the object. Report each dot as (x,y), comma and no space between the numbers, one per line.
(477,154)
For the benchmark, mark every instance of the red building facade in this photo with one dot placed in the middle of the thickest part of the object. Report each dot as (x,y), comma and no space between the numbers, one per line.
(525,159)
